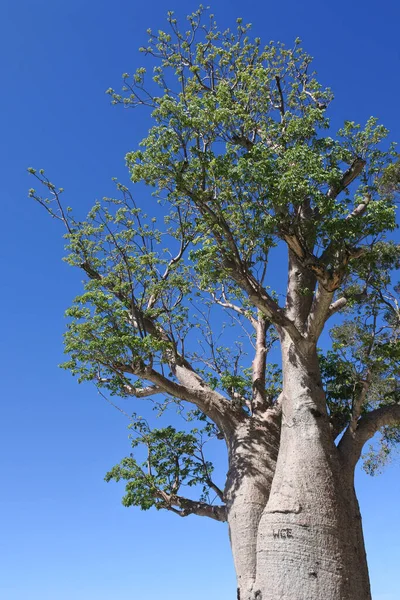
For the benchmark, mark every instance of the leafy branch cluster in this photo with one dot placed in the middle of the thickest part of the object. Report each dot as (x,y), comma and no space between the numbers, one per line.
(174,459)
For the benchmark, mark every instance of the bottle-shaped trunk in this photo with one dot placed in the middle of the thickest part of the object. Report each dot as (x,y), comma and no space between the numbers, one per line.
(310,544)
(309,539)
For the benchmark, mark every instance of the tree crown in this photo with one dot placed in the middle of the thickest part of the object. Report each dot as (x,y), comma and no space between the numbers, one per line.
(243,162)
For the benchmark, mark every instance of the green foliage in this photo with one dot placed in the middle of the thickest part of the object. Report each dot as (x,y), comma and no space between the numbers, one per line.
(173,460)
(366,350)
(378,455)
(241,159)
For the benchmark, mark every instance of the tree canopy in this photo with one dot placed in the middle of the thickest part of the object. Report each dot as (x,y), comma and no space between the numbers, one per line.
(246,168)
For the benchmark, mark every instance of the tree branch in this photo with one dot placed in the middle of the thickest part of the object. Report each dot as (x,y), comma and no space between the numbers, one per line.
(142,392)
(264,302)
(336,306)
(225,303)
(348,177)
(209,481)
(343,301)
(259,401)
(188,507)
(319,312)
(300,287)
(360,399)
(359,209)
(193,389)
(352,442)
(131,390)
(237,270)
(281,105)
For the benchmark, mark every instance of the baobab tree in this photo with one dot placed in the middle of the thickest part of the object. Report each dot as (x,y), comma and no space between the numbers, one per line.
(249,177)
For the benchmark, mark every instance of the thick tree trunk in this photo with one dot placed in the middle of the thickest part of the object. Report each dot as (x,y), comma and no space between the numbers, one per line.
(309,543)
(252,457)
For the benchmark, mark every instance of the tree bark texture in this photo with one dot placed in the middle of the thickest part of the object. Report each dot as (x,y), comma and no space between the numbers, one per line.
(295,525)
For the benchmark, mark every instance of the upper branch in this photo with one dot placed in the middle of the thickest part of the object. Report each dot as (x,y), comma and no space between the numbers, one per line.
(320,310)
(131,390)
(237,269)
(264,302)
(259,401)
(192,388)
(226,303)
(348,177)
(352,442)
(300,287)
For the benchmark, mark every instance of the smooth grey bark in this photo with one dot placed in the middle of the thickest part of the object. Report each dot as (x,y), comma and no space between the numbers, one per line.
(252,452)
(295,525)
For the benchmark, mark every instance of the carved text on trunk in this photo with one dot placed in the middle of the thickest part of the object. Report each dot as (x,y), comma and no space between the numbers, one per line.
(282,533)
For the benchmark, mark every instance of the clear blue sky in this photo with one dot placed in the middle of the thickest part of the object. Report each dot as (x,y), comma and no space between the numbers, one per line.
(63,532)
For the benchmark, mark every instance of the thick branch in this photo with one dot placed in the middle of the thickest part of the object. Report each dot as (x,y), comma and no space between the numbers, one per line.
(330,267)
(347,178)
(343,301)
(319,312)
(305,257)
(336,306)
(142,392)
(193,389)
(131,390)
(359,209)
(186,507)
(259,401)
(300,288)
(352,442)
(264,302)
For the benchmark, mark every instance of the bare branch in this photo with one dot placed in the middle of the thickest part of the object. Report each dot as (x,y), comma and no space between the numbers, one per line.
(225,303)
(359,209)
(183,246)
(318,104)
(131,390)
(193,389)
(319,312)
(265,303)
(336,306)
(259,401)
(281,98)
(186,507)
(343,301)
(348,177)
(142,392)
